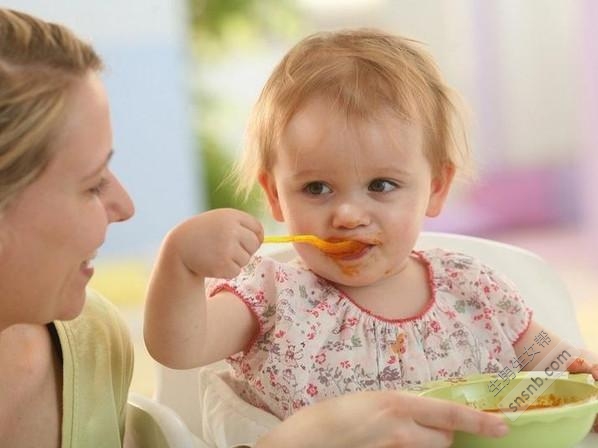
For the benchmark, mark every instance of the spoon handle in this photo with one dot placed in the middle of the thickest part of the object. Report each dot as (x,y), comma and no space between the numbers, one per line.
(290,239)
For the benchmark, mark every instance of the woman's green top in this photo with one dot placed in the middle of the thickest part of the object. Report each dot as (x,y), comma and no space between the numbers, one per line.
(97,360)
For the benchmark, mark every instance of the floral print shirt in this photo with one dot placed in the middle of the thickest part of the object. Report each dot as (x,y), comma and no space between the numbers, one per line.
(314,342)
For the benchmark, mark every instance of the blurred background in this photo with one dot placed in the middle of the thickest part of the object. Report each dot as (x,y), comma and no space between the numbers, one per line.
(182,76)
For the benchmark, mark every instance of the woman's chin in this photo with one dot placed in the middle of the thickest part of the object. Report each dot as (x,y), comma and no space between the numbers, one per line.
(74,308)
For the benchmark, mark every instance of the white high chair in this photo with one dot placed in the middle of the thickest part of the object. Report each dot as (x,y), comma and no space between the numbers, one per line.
(539,284)
(150,424)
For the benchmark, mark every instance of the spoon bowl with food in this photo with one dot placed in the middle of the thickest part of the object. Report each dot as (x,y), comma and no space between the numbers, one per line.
(333,248)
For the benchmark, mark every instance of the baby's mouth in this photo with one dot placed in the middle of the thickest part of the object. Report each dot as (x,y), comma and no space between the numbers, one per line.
(355,251)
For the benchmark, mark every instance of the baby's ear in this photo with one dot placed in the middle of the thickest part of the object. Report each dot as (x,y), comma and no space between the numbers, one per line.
(268,184)
(441,184)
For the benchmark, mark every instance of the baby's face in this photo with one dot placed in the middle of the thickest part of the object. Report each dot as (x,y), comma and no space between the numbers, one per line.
(364,180)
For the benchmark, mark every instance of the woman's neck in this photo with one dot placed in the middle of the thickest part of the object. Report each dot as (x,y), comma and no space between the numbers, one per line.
(25,346)
(31,380)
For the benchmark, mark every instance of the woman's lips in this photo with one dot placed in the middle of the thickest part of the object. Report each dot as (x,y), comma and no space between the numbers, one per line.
(87,268)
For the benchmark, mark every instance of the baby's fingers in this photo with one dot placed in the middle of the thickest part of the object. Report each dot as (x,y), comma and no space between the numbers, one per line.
(580,365)
(250,242)
(254,225)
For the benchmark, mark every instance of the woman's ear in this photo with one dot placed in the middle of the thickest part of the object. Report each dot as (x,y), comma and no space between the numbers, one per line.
(441,185)
(268,184)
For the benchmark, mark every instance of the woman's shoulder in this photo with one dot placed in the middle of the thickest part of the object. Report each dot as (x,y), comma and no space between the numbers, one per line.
(100,313)
(97,304)
(97,371)
(100,324)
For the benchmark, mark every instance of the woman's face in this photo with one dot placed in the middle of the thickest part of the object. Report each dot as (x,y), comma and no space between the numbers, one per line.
(51,232)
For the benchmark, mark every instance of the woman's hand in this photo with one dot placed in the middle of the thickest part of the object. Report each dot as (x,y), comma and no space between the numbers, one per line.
(382,420)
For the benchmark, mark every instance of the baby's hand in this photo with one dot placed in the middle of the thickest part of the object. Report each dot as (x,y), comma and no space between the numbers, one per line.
(580,365)
(218,243)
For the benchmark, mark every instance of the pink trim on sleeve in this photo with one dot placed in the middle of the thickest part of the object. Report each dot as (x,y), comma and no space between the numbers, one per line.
(530,314)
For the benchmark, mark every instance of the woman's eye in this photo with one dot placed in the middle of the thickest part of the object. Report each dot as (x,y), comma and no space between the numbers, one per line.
(317,188)
(99,188)
(382,185)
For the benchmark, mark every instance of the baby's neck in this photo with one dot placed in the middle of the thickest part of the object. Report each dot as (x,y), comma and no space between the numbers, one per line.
(402,295)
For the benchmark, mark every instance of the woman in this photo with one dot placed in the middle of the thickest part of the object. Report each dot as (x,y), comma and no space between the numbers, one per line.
(62,383)
(65,356)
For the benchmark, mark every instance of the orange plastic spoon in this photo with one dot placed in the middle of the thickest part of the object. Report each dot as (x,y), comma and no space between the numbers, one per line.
(329,247)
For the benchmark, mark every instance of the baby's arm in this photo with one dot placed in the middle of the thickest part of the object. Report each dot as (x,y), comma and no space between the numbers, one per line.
(182,329)
(527,347)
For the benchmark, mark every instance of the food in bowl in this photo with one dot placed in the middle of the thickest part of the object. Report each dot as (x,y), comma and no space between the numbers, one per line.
(558,417)
(543,402)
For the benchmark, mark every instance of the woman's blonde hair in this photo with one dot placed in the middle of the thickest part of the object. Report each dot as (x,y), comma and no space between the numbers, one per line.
(39,61)
(363,71)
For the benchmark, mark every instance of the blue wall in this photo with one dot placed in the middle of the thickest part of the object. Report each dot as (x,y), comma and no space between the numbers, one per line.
(144,46)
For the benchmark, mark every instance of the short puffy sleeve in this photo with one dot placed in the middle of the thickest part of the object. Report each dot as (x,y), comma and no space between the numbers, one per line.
(486,295)
(255,286)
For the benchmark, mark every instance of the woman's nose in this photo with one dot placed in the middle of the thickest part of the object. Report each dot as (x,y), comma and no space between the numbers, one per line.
(350,215)
(119,205)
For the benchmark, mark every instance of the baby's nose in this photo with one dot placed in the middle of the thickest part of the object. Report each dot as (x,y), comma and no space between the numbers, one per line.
(350,215)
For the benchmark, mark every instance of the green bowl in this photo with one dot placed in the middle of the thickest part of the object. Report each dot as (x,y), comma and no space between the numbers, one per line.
(558,417)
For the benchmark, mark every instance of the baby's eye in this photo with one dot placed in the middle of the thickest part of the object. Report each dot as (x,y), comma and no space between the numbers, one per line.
(382,185)
(317,188)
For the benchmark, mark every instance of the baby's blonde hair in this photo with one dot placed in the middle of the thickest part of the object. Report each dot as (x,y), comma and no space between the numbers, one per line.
(39,62)
(363,71)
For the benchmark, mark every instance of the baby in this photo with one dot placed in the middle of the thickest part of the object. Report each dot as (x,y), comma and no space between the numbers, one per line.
(355,136)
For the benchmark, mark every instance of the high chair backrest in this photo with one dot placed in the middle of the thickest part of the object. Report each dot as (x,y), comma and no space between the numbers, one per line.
(539,284)
(542,289)
(150,424)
